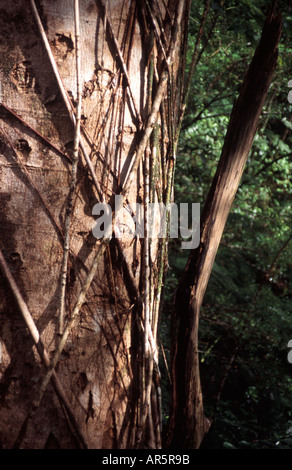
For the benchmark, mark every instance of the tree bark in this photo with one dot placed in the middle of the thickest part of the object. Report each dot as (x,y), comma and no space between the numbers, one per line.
(102,369)
(187,424)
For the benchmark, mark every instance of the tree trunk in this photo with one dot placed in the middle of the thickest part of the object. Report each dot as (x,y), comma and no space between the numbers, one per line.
(102,361)
(187,424)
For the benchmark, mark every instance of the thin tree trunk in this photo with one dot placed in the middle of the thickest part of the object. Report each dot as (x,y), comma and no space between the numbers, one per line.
(187,424)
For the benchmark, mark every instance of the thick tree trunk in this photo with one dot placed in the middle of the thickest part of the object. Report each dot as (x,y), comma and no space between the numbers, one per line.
(187,424)
(103,376)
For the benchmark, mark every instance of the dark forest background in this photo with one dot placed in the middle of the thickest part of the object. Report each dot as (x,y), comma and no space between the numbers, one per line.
(246,317)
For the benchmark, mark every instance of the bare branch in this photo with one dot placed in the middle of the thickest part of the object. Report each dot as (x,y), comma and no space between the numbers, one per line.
(81,299)
(46,141)
(26,315)
(160,93)
(193,64)
(156,31)
(73,185)
(24,169)
(121,59)
(62,90)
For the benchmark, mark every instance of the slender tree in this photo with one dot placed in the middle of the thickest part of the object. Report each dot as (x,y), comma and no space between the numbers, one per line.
(187,424)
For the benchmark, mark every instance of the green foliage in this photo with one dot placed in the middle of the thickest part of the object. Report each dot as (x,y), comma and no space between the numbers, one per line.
(246,316)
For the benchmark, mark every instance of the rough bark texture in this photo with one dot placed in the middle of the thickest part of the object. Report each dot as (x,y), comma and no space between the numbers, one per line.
(100,365)
(187,423)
